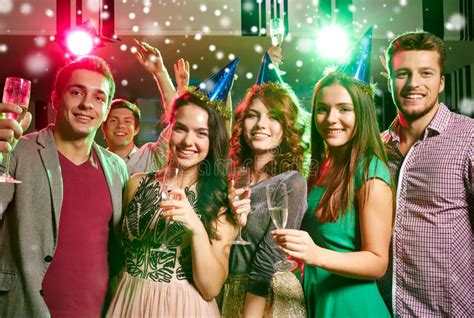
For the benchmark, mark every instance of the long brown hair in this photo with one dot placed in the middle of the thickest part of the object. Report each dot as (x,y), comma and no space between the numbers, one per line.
(365,143)
(212,174)
(281,101)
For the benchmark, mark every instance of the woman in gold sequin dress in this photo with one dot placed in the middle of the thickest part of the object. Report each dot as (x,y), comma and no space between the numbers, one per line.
(267,138)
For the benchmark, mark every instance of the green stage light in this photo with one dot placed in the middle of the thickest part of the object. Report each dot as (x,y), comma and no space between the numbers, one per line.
(332,42)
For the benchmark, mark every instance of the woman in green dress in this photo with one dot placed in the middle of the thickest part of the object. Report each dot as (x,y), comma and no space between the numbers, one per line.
(345,236)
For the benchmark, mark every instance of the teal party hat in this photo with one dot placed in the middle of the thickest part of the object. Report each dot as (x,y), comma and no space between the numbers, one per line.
(357,64)
(268,72)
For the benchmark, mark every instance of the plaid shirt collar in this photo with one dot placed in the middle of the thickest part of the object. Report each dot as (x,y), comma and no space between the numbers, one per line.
(436,126)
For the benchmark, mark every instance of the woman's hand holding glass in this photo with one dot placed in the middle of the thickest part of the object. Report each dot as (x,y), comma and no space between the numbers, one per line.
(239,200)
(297,244)
(177,208)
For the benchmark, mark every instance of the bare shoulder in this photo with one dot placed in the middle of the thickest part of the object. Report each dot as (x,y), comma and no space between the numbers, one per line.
(132,186)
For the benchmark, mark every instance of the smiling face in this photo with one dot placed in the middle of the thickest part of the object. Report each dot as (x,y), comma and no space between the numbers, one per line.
(120,127)
(189,140)
(82,106)
(416,81)
(334,116)
(262,131)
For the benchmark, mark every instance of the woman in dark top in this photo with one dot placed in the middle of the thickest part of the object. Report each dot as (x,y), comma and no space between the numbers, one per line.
(267,138)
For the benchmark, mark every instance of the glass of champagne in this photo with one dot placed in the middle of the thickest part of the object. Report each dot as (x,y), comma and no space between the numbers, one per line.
(170,179)
(277,200)
(240,176)
(277,34)
(16,92)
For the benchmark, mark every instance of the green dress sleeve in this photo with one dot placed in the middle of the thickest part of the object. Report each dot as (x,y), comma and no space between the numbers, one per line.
(377,169)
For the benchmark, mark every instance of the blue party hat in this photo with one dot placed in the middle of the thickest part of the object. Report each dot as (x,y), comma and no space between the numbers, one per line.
(357,64)
(268,72)
(217,87)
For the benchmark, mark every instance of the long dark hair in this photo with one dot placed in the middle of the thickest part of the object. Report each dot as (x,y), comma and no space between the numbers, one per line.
(365,143)
(282,102)
(212,171)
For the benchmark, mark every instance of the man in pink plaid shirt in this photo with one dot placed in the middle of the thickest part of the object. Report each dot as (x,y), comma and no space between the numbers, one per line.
(431,156)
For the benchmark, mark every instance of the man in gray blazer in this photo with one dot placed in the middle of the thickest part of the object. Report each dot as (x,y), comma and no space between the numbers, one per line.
(54,227)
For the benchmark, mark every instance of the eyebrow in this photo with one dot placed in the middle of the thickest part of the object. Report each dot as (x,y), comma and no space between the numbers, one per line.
(338,104)
(82,87)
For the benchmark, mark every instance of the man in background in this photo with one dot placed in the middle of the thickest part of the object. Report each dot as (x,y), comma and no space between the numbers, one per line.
(121,127)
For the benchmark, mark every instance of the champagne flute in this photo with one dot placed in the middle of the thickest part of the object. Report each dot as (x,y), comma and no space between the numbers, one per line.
(277,200)
(16,92)
(240,176)
(277,34)
(170,179)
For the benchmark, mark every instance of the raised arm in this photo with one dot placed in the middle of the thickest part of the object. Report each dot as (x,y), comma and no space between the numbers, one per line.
(152,61)
(181,73)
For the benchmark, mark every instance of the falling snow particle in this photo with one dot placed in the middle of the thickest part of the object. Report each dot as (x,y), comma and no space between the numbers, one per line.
(123,47)
(3,48)
(219,55)
(212,47)
(390,35)
(403,3)
(49,13)
(133,49)
(191,18)
(258,48)
(456,22)
(135,28)
(203,8)
(37,64)
(254,29)
(352,8)
(466,107)
(167,23)
(198,36)
(205,29)
(217,13)
(225,22)
(146,10)
(231,56)
(26,8)
(249,75)
(40,41)
(299,63)
(195,67)
(124,82)
(6,6)
(131,16)
(167,41)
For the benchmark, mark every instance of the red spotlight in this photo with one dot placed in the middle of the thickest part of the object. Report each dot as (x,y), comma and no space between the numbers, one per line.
(79,42)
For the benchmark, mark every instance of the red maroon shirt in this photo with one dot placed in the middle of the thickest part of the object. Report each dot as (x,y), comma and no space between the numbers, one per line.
(75,284)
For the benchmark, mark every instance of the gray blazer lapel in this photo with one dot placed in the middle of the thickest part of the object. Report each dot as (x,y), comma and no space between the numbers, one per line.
(50,160)
(114,181)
